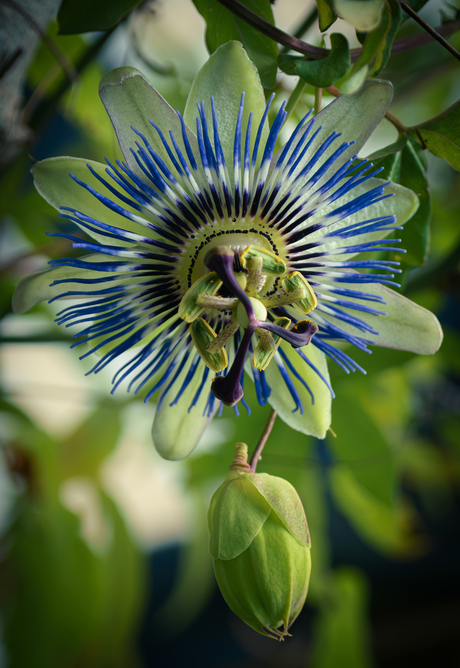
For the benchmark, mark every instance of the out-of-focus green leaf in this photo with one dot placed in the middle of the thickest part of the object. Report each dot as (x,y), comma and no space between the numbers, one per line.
(77,16)
(83,452)
(441,135)
(405,168)
(389,150)
(223,26)
(388,530)
(311,489)
(74,601)
(394,11)
(195,579)
(326,15)
(371,57)
(364,15)
(416,6)
(325,72)
(361,445)
(341,633)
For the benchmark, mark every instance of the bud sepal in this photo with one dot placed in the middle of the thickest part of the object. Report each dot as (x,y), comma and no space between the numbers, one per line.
(260,545)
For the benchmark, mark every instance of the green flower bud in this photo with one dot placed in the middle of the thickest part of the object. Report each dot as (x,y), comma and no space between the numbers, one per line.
(260,545)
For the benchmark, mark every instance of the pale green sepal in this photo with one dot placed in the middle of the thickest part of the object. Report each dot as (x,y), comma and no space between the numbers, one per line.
(175,430)
(225,76)
(407,326)
(202,335)
(354,117)
(38,287)
(188,308)
(285,501)
(316,417)
(364,16)
(296,280)
(267,584)
(271,263)
(229,536)
(403,204)
(130,100)
(52,180)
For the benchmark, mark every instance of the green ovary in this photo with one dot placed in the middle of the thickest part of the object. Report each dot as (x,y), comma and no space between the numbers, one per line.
(259,311)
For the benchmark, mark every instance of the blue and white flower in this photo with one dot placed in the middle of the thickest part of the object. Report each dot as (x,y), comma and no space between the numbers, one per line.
(209,250)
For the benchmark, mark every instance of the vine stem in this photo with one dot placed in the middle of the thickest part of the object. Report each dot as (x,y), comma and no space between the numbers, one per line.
(60,55)
(315,52)
(429,29)
(262,440)
(318,98)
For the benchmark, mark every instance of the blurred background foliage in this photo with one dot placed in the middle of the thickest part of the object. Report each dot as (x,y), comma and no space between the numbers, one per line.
(103,545)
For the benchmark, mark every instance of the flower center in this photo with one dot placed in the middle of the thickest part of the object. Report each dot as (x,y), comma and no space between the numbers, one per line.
(233,295)
(259,309)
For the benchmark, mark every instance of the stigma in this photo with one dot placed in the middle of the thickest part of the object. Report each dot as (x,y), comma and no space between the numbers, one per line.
(232,295)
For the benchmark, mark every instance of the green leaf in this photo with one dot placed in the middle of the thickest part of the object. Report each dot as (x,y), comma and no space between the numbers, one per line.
(341,631)
(360,445)
(386,529)
(364,15)
(389,150)
(405,168)
(225,76)
(441,135)
(223,26)
(326,15)
(83,452)
(76,16)
(325,72)
(394,11)
(314,417)
(370,59)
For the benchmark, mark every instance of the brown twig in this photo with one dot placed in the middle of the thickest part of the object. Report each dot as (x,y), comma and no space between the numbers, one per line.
(57,52)
(263,439)
(429,29)
(316,52)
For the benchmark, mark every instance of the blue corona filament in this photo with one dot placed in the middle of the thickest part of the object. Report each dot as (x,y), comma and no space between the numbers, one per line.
(131,287)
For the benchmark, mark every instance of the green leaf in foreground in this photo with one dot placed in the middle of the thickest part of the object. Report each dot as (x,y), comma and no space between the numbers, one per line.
(325,72)
(441,135)
(223,26)
(326,15)
(371,57)
(77,16)
(405,168)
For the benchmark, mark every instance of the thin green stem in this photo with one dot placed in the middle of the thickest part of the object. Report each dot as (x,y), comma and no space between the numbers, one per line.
(47,106)
(429,29)
(295,96)
(272,31)
(263,439)
(318,98)
(60,55)
(315,52)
